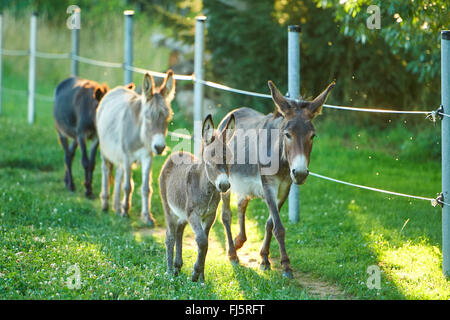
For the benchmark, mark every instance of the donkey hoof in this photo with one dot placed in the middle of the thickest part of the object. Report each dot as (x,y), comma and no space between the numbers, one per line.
(122,214)
(89,195)
(288,274)
(148,220)
(194,276)
(238,243)
(265,266)
(234,260)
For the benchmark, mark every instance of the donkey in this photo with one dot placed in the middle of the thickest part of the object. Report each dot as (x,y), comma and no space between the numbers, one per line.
(131,128)
(190,192)
(288,133)
(75,104)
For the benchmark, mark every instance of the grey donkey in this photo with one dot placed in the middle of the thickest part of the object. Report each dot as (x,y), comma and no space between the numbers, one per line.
(190,192)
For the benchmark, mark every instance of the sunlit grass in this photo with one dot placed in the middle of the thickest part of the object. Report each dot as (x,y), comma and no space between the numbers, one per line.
(416,270)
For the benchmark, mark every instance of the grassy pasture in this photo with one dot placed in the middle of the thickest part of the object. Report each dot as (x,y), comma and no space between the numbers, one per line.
(45,230)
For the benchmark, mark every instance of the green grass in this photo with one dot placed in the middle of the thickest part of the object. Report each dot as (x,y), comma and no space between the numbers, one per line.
(45,230)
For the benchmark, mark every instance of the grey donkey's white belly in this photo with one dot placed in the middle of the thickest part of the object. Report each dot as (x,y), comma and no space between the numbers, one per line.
(246,186)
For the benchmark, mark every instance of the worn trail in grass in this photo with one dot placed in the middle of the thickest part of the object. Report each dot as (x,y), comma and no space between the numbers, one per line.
(250,259)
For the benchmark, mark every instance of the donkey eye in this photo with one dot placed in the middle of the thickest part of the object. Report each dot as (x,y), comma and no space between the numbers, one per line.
(288,135)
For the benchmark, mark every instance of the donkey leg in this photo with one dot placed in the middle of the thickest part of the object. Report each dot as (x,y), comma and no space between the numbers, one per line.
(241,237)
(117,186)
(85,163)
(265,248)
(170,241)
(179,246)
(92,156)
(278,229)
(69,153)
(127,189)
(202,246)
(106,179)
(146,191)
(226,220)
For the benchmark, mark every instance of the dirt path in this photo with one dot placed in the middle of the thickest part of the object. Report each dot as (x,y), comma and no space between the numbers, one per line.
(249,259)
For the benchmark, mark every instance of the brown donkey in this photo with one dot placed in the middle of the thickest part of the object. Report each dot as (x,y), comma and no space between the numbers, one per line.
(190,192)
(280,145)
(75,104)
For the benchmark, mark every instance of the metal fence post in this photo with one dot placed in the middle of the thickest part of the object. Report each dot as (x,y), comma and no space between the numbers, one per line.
(445,87)
(294,92)
(1,58)
(32,68)
(198,87)
(75,46)
(128,46)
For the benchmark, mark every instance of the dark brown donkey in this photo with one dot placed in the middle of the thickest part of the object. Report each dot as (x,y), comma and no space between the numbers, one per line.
(270,152)
(75,104)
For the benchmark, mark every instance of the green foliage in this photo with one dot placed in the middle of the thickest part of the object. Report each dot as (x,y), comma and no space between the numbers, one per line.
(248,46)
(411,29)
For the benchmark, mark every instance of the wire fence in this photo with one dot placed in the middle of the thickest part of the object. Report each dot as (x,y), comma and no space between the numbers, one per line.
(44,55)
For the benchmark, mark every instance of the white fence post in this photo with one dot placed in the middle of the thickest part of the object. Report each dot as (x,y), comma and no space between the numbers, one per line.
(445,87)
(75,46)
(32,68)
(1,58)
(294,92)
(198,87)
(128,47)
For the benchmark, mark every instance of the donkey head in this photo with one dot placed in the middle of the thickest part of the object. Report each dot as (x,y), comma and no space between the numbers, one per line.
(297,130)
(216,153)
(156,111)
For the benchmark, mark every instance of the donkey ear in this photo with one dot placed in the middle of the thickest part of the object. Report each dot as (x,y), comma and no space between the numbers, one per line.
(148,85)
(131,86)
(229,130)
(168,86)
(283,106)
(98,93)
(208,130)
(315,107)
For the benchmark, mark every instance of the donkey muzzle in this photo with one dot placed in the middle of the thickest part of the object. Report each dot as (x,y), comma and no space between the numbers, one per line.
(222,183)
(159,148)
(158,144)
(299,169)
(299,177)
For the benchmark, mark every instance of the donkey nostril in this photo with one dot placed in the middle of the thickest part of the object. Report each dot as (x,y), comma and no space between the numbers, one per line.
(160,148)
(224,186)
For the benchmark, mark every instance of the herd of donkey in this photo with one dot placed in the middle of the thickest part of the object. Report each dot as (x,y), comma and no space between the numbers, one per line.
(130,127)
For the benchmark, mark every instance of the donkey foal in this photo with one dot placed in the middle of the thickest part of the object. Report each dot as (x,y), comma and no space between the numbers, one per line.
(190,192)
